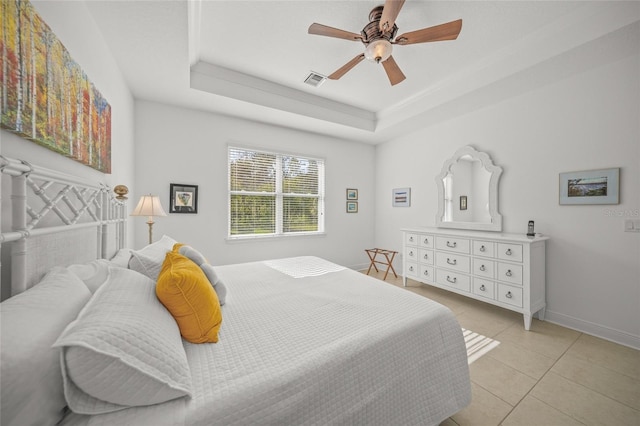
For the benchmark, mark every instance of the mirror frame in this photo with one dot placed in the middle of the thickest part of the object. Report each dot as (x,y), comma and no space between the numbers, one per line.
(496,171)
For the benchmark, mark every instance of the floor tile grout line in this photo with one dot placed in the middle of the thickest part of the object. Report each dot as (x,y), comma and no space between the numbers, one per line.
(534,386)
(469,309)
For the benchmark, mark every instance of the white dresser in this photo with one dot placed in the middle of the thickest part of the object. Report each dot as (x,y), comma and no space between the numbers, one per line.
(506,270)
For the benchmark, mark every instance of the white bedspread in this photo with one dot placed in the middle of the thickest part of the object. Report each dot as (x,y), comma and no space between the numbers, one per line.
(335,347)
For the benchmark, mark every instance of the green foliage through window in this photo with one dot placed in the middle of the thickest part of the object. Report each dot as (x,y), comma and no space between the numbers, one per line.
(274,194)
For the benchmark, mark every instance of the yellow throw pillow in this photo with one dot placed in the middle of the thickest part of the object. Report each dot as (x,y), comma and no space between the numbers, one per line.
(184,290)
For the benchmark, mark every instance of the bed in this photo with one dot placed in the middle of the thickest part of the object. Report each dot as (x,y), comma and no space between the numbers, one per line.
(302,341)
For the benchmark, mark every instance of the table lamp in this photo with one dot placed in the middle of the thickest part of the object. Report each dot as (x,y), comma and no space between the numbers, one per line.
(149,205)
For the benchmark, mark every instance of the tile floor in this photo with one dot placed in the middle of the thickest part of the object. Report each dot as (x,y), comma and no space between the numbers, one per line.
(547,376)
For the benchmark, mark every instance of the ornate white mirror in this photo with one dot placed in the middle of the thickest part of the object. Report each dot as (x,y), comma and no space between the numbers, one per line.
(468,192)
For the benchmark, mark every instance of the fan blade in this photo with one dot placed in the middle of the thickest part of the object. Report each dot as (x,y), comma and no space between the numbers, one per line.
(346,67)
(323,30)
(393,71)
(389,14)
(448,31)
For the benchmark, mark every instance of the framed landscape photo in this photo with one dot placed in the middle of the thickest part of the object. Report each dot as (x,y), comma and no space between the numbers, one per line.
(590,187)
(352,207)
(184,198)
(352,194)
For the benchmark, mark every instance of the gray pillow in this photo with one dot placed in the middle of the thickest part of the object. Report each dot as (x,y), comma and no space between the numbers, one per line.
(197,257)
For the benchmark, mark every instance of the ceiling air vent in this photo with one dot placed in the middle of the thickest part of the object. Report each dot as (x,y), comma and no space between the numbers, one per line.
(314,79)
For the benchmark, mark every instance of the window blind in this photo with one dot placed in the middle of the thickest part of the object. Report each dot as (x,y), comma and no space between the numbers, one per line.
(274,193)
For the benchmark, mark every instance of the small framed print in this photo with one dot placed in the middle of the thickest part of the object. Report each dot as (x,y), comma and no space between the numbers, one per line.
(352,207)
(590,187)
(184,198)
(352,194)
(401,197)
(463,202)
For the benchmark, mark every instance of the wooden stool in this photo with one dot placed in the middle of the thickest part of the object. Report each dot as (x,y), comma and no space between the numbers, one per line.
(388,260)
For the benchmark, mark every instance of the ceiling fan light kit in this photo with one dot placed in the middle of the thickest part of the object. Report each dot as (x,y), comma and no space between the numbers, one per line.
(378,50)
(379,36)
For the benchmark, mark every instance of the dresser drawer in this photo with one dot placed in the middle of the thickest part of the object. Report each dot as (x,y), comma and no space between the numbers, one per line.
(427,273)
(456,262)
(510,295)
(411,239)
(458,245)
(484,288)
(412,270)
(411,254)
(484,248)
(426,241)
(510,273)
(511,252)
(484,268)
(453,279)
(425,256)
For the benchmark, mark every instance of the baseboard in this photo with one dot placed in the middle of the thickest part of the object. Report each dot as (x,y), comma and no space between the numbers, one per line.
(593,329)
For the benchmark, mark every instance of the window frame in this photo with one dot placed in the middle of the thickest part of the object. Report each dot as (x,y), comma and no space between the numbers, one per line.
(279,195)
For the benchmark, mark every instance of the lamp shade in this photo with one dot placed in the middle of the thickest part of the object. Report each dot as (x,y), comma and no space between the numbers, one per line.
(149,205)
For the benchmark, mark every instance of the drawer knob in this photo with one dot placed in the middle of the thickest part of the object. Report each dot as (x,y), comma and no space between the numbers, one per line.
(508,295)
(455,261)
(452,281)
(426,257)
(508,252)
(483,248)
(426,241)
(508,273)
(482,288)
(411,268)
(411,253)
(426,272)
(411,239)
(452,245)
(482,268)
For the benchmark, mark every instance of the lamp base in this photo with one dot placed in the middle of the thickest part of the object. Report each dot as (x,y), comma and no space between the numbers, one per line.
(150,223)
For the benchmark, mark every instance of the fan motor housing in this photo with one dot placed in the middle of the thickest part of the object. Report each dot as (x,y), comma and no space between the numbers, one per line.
(371,31)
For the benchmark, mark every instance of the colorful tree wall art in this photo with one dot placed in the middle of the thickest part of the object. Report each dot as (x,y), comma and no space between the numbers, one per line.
(46,97)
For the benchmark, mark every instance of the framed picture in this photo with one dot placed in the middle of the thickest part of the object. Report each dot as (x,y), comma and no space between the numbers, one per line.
(352,207)
(401,197)
(184,198)
(352,194)
(590,187)
(463,202)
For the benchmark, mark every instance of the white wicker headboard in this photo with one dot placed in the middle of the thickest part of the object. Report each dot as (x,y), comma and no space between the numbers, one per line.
(54,219)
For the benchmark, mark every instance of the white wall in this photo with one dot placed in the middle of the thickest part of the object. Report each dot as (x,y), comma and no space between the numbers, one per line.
(589,120)
(74,27)
(177,145)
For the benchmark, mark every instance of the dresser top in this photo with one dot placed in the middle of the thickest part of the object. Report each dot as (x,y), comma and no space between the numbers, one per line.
(498,236)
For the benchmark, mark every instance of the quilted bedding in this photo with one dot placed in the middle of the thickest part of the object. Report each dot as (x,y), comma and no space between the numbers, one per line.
(304,341)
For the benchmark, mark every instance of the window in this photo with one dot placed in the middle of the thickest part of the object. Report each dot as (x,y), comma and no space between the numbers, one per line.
(274,194)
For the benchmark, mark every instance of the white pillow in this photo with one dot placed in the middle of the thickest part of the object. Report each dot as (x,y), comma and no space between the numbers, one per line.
(93,274)
(159,249)
(148,260)
(123,350)
(32,392)
(121,258)
(146,265)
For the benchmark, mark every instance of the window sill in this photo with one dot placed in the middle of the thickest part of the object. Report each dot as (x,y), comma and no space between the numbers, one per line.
(254,238)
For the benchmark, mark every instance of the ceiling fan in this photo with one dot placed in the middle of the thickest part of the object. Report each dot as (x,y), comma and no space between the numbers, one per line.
(380,34)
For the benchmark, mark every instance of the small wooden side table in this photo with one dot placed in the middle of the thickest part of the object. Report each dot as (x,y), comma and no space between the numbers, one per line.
(388,260)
